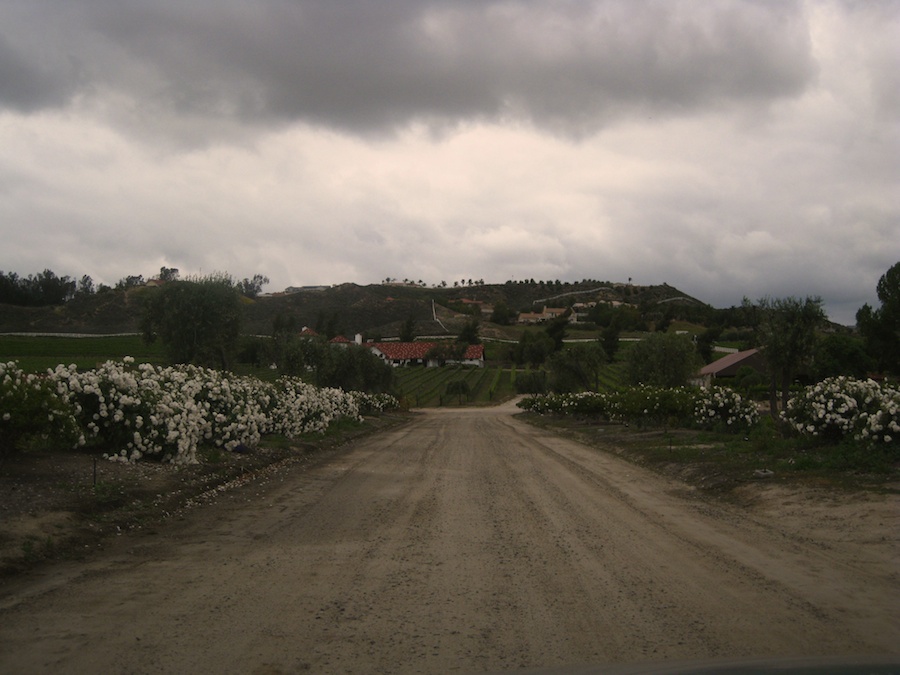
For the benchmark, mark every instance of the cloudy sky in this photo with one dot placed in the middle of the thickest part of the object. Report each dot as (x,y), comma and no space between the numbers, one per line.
(727,148)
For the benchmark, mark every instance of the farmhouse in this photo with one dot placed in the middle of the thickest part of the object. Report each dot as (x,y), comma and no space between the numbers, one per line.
(421,354)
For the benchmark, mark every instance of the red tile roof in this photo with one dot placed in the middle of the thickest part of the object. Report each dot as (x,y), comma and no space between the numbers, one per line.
(474,352)
(397,351)
(402,351)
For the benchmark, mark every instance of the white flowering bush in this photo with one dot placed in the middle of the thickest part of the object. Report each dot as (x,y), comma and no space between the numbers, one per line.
(374,404)
(137,410)
(238,409)
(842,407)
(724,409)
(642,404)
(134,411)
(718,408)
(30,409)
(303,408)
(582,403)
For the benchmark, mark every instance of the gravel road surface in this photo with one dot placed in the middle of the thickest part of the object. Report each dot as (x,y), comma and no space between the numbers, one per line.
(465,541)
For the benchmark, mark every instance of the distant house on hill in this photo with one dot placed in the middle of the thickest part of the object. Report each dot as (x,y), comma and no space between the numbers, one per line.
(530,317)
(547,314)
(729,365)
(340,340)
(419,354)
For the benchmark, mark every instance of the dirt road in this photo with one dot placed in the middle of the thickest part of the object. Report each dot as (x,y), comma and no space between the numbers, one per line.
(466,541)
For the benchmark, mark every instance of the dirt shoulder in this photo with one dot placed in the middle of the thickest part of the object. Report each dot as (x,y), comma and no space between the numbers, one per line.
(63,505)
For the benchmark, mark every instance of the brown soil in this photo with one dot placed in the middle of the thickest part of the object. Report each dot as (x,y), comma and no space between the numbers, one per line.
(465,541)
(57,505)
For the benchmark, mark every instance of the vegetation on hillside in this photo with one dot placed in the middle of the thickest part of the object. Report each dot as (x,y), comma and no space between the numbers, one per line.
(195,327)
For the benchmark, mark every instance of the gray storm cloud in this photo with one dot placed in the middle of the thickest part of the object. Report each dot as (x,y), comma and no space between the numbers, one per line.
(369,66)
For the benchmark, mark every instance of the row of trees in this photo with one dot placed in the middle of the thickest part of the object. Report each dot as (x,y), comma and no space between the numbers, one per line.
(39,290)
(199,322)
(48,289)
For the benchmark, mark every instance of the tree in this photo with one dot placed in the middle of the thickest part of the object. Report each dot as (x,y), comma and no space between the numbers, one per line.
(251,288)
(880,328)
(609,338)
(36,290)
(167,274)
(85,286)
(349,367)
(14,290)
(332,326)
(502,314)
(664,360)
(49,289)
(459,388)
(445,351)
(665,321)
(469,333)
(284,329)
(577,368)
(624,317)
(533,348)
(408,330)
(705,342)
(198,321)
(131,281)
(785,331)
(838,354)
(556,330)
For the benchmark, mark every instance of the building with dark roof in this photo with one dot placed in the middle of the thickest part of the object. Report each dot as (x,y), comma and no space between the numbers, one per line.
(729,365)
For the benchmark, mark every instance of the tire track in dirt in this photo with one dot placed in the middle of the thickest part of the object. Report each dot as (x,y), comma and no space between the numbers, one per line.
(807,574)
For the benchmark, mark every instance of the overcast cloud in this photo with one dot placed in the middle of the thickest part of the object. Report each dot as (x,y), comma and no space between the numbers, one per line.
(727,148)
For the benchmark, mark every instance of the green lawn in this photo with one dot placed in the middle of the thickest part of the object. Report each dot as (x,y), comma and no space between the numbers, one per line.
(36,354)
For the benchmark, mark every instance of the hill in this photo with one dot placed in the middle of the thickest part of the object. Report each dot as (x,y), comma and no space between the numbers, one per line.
(377,310)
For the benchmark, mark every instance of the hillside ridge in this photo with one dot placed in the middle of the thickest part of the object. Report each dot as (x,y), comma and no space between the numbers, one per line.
(347,308)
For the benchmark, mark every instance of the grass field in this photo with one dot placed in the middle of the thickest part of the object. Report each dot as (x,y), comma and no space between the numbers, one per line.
(36,354)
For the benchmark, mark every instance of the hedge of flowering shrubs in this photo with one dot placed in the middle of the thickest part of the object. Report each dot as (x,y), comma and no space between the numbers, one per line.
(705,408)
(840,408)
(835,409)
(165,412)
